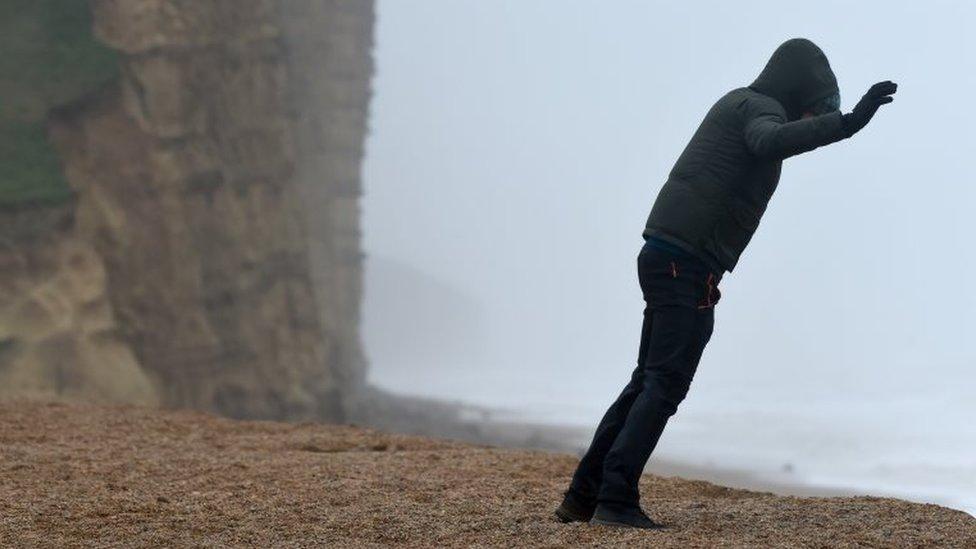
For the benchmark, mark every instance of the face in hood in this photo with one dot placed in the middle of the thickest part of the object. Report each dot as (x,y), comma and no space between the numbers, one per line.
(798,75)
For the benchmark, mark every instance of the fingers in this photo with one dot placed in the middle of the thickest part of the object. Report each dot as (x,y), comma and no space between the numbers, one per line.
(883,88)
(885,100)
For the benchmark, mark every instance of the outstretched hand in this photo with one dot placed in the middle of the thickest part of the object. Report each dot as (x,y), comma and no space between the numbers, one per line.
(879,94)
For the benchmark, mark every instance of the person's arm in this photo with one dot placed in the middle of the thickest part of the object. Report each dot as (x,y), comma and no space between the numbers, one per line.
(769,135)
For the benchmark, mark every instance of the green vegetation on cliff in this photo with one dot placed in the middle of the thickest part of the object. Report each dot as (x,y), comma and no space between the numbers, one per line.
(48,57)
(29,168)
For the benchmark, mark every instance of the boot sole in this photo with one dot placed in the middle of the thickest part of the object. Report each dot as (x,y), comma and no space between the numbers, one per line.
(568,516)
(604,522)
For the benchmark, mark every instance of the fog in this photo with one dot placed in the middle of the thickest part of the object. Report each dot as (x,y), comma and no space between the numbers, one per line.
(515,150)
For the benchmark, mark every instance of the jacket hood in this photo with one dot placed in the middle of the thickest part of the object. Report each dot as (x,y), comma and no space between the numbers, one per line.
(797,75)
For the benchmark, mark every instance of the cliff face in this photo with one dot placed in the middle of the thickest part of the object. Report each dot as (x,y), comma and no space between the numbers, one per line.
(216,215)
(59,336)
(332,101)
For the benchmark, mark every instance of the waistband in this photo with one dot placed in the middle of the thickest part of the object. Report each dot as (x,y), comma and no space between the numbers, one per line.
(677,251)
(668,247)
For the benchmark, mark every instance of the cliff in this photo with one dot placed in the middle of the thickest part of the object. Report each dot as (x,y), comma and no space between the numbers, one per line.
(204,244)
(77,476)
(184,176)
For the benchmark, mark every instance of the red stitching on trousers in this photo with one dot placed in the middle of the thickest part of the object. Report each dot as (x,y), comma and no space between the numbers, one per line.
(708,292)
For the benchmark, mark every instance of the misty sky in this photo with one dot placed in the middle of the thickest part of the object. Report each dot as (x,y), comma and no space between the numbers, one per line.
(516,148)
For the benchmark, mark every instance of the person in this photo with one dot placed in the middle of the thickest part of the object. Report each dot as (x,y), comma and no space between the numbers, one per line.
(703,218)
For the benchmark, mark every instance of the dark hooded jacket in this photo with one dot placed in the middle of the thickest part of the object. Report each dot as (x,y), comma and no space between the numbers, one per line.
(719,187)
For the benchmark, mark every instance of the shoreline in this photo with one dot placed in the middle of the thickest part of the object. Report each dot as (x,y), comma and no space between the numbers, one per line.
(573,439)
(481,424)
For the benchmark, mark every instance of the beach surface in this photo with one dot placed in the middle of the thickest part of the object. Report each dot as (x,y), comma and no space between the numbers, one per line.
(75,475)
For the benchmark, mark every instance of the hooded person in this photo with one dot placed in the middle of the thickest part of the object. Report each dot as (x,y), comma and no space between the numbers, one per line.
(719,187)
(702,220)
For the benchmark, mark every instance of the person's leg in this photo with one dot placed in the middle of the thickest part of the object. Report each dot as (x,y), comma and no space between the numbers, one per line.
(675,348)
(589,473)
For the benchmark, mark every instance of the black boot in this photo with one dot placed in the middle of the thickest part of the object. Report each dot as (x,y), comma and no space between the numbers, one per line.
(574,508)
(609,514)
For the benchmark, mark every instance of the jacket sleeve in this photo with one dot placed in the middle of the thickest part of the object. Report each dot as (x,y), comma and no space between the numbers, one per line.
(769,135)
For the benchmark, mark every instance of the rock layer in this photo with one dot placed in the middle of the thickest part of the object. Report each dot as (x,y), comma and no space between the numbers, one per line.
(59,336)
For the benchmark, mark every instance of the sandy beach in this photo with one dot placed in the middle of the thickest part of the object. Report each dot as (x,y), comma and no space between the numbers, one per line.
(84,475)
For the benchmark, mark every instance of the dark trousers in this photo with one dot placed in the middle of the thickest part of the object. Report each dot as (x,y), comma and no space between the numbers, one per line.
(680,293)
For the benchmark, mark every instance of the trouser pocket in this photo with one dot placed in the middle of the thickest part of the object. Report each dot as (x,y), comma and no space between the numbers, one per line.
(710,294)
